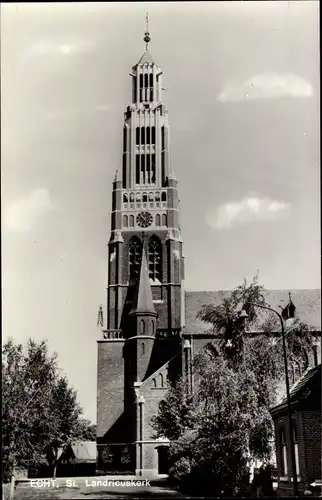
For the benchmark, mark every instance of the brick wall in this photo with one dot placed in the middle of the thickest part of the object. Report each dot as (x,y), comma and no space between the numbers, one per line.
(308,425)
(110,384)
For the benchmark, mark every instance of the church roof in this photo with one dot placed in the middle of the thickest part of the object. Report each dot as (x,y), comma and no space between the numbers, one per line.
(143,301)
(307,303)
(146,58)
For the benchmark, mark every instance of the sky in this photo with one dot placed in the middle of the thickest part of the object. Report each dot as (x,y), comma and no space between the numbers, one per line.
(242,90)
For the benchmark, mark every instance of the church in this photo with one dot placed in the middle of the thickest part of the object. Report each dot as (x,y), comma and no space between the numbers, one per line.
(152,332)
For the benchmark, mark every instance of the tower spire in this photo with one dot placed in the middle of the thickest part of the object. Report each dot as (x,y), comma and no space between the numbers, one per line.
(143,301)
(147,37)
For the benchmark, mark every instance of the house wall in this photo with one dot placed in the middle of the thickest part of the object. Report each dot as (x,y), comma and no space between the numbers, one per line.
(309,446)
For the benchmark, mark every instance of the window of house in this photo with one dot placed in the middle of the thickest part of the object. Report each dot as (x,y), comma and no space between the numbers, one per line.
(148,135)
(163,196)
(154,383)
(131,197)
(296,449)
(158,220)
(283,446)
(125,198)
(151,79)
(164,220)
(153,135)
(125,221)
(155,262)
(151,197)
(131,221)
(142,347)
(142,327)
(138,198)
(144,197)
(137,135)
(157,196)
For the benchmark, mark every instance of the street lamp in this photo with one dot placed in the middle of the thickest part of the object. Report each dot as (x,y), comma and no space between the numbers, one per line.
(244,315)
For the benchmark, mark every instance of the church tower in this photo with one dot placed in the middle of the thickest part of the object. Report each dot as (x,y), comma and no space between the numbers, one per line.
(141,350)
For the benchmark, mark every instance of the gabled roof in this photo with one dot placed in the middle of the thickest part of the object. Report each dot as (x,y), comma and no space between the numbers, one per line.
(146,58)
(307,303)
(143,301)
(307,389)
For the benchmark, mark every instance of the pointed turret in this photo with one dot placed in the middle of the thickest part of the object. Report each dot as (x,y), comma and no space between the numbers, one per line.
(143,301)
(146,58)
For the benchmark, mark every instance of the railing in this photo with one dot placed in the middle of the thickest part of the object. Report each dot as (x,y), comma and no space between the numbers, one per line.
(113,334)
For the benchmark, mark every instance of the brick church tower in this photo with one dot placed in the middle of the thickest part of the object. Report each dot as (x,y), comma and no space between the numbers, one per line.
(142,349)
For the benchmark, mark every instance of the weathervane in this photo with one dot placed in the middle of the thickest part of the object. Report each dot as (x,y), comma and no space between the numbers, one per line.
(147,37)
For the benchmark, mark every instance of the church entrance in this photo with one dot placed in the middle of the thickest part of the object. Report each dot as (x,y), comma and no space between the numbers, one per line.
(163,466)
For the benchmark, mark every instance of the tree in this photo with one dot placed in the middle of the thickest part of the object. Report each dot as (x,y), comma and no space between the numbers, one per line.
(88,432)
(225,423)
(39,410)
(65,425)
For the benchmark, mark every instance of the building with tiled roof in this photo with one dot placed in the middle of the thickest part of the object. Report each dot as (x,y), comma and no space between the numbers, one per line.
(305,398)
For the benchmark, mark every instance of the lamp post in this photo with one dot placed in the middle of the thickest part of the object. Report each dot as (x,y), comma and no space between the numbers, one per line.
(244,315)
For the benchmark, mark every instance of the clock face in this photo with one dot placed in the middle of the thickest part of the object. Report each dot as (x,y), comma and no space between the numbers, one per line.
(144,219)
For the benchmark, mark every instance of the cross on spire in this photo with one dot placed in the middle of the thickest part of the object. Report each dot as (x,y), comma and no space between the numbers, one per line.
(147,37)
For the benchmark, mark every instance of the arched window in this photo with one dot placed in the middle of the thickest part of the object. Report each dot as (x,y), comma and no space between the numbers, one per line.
(296,448)
(151,79)
(161,379)
(148,135)
(284,469)
(146,80)
(152,327)
(142,135)
(135,254)
(164,220)
(142,326)
(163,196)
(158,220)
(124,139)
(142,179)
(138,197)
(131,197)
(155,261)
(154,383)
(151,197)
(157,196)
(142,348)
(153,135)
(131,221)
(137,135)
(153,169)
(144,197)
(125,221)
(125,198)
